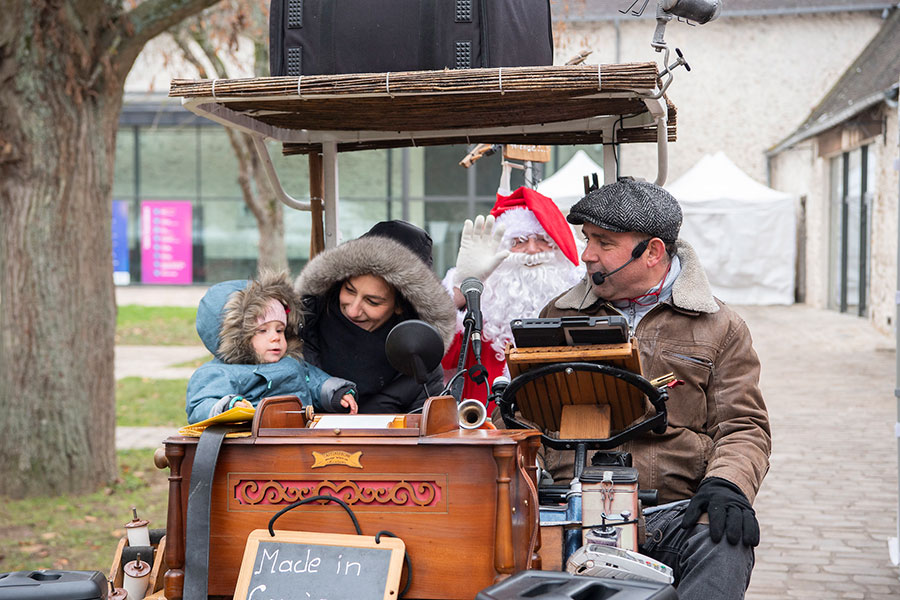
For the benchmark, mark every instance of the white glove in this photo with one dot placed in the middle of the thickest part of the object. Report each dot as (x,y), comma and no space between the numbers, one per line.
(478,250)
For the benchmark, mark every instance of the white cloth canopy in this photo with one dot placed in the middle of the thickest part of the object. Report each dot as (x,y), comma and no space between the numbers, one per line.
(744,232)
(566,186)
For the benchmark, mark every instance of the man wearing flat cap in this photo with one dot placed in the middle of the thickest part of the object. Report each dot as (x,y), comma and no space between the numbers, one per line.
(715,451)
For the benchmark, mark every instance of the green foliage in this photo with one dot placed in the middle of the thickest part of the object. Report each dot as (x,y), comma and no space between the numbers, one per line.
(81,532)
(142,402)
(156,326)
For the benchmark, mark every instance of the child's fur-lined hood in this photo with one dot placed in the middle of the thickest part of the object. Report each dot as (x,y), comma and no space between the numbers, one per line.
(396,264)
(228,313)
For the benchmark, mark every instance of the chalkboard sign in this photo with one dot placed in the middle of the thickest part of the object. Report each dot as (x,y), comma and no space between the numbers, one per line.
(319,566)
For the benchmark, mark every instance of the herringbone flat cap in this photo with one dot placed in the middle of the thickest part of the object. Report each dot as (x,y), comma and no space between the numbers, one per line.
(629,205)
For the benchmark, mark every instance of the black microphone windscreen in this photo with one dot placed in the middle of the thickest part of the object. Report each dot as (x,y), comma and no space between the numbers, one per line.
(598,278)
(471,284)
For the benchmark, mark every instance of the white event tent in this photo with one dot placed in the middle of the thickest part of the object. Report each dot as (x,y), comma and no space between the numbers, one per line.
(744,232)
(566,186)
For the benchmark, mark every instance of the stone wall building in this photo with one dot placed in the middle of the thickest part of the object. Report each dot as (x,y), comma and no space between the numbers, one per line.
(758,72)
(844,161)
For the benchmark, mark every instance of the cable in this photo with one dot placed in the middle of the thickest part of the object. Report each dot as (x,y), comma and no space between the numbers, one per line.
(313,499)
(405,559)
(615,145)
(610,524)
(447,387)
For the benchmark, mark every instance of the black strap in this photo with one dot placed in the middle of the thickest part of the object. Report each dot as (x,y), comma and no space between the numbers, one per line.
(196,551)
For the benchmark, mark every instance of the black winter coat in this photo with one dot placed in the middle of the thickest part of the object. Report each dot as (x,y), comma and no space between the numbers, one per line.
(424,296)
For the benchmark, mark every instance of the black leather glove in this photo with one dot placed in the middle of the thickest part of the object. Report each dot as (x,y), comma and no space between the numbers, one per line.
(729,512)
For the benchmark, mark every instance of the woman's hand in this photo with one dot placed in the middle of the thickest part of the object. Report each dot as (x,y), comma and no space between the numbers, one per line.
(348,401)
(244,403)
(478,250)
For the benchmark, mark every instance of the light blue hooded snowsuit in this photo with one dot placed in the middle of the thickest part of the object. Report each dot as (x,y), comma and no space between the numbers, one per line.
(226,320)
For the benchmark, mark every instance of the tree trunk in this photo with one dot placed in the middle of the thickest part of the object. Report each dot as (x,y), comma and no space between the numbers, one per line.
(272,249)
(57,325)
(252,179)
(62,67)
(260,199)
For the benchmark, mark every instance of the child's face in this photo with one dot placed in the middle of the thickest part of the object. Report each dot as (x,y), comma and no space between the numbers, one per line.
(269,343)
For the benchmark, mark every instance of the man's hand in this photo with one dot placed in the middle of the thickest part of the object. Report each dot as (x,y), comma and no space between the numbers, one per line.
(729,512)
(478,255)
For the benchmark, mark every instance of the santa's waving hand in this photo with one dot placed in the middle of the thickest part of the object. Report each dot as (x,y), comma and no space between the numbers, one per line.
(479,249)
(525,254)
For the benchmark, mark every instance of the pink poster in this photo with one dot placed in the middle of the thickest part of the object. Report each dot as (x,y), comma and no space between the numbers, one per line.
(166,244)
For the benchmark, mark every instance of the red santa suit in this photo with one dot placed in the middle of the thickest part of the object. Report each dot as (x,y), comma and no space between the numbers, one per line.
(523,283)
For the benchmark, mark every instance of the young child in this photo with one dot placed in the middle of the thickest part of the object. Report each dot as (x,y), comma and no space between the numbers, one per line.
(251,328)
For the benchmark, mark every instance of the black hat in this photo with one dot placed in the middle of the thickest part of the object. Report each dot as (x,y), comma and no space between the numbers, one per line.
(629,205)
(414,238)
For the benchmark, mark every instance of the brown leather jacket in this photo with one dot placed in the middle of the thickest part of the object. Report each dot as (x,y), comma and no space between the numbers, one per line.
(718,423)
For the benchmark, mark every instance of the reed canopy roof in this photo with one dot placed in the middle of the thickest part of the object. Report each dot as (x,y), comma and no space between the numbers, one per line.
(581,104)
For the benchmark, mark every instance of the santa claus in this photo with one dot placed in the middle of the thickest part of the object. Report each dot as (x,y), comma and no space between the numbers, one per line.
(525,254)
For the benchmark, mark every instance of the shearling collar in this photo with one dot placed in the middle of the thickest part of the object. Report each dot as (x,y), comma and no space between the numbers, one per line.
(391,260)
(691,291)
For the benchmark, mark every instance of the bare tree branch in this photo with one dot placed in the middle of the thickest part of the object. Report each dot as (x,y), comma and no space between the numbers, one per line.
(149,19)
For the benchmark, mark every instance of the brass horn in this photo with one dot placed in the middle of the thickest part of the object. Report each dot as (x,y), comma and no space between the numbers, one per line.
(472,414)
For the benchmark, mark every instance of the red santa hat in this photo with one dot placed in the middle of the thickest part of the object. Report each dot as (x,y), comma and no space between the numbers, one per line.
(526,212)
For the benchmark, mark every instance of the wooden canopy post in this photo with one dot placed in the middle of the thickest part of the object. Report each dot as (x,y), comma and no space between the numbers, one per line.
(316,193)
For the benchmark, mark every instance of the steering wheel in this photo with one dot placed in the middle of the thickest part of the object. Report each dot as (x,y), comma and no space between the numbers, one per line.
(657,396)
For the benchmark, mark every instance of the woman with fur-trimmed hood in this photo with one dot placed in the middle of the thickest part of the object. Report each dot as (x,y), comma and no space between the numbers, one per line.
(251,328)
(353,295)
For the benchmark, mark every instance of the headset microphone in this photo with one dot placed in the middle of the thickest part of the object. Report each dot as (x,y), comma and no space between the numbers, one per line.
(598,278)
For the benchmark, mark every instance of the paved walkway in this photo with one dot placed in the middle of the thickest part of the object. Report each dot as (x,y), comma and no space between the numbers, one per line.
(829,502)
(160,295)
(157,362)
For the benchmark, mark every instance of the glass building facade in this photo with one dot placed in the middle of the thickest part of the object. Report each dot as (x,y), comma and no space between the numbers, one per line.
(168,157)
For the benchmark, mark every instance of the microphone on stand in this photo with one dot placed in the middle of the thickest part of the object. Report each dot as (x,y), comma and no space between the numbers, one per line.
(472,288)
(501,382)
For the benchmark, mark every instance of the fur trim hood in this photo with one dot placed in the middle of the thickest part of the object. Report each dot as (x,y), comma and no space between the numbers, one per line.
(691,291)
(396,264)
(228,313)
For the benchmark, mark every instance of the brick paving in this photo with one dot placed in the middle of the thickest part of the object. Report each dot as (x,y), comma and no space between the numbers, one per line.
(829,502)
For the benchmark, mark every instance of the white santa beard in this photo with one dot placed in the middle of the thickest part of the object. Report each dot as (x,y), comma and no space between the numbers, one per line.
(516,291)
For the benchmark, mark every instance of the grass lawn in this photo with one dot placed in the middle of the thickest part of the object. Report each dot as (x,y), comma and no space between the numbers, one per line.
(81,532)
(156,326)
(142,402)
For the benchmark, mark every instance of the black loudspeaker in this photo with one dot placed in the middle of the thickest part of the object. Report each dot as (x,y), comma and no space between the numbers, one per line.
(324,37)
